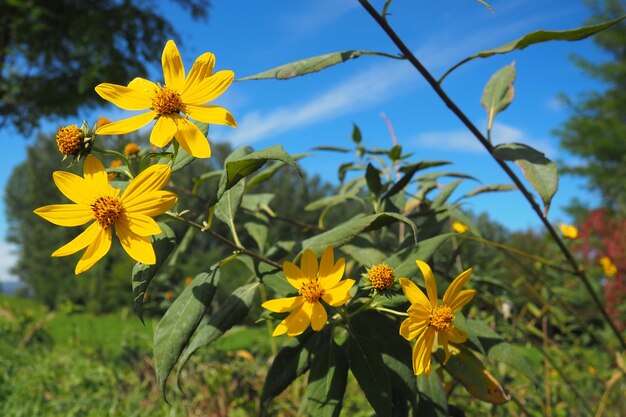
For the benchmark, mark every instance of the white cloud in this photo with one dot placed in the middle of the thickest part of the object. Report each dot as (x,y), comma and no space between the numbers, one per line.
(463,141)
(366,88)
(319,14)
(8,258)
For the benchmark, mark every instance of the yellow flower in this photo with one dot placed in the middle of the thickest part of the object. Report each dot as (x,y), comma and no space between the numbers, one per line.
(130,213)
(180,94)
(381,277)
(608,266)
(459,227)
(313,284)
(428,319)
(131,149)
(569,231)
(168,295)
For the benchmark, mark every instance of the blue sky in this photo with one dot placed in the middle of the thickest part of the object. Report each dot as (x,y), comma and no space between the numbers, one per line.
(319,109)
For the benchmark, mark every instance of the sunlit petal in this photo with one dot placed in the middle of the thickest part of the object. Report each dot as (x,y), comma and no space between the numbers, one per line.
(455,286)
(95,251)
(152,203)
(192,139)
(282,305)
(294,275)
(124,97)
(308,263)
(173,69)
(413,293)
(124,126)
(338,295)
(74,187)
(299,320)
(410,329)
(79,242)
(150,179)
(95,174)
(143,86)
(66,214)
(318,316)
(164,130)
(211,114)
(461,299)
(137,247)
(431,284)
(142,225)
(209,88)
(422,352)
(201,69)
(442,340)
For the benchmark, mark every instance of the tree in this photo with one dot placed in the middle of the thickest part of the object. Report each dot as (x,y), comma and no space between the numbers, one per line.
(53,53)
(596,130)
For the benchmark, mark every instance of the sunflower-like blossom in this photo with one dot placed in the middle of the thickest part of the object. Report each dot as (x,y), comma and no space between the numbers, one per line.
(314,284)
(181,95)
(431,322)
(130,213)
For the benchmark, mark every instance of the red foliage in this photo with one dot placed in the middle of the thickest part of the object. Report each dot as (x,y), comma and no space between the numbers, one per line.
(602,234)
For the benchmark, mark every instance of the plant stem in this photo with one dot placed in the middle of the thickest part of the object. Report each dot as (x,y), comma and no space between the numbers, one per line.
(394,312)
(225,240)
(406,52)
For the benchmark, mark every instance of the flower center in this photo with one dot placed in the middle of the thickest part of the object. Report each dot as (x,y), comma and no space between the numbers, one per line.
(70,140)
(311,290)
(167,101)
(381,277)
(107,210)
(441,317)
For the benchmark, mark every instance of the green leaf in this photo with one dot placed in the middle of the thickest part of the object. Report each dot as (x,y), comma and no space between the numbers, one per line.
(403,262)
(498,93)
(329,201)
(327,381)
(432,397)
(269,172)
(142,274)
(293,360)
(518,358)
(479,334)
(255,202)
(538,170)
(347,231)
(175,329)
(309,65)
(227,206)
(445,193)
(366,363)
(491,189)
(409,171)
(232,311)
(331,149)
(356,134)
(258,230)
(470,371)
(372,176)
(537,37)
(242,163)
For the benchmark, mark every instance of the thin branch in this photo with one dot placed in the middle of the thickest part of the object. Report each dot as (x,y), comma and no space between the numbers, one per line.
(406,52)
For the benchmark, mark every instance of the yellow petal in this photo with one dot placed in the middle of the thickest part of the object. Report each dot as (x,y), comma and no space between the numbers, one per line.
(95,251)
(150,179)
(124,97)
(66,214)
(124,126)
(455,286)
(456,335)
(152,203)
(210,114)
(422,352)
(339,294)
(318,316)
(173,69)
(94,173)
(208,89)
(442,340)
(461,299)
(410,329)
(419,312)
(145,87)
(142,225)
(431,284)
(164,130)
(79,242)
(293,274)
(282,305)
(74,187)
(202,68)
(298,321)
(191,138)
(414,294)
(330,272)
(137,247)
(308,264)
